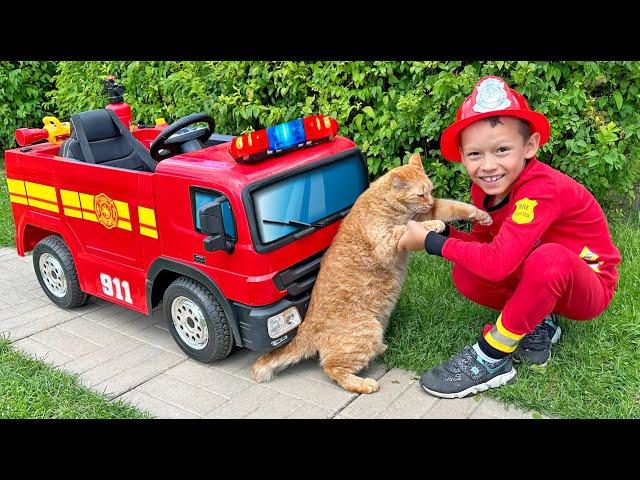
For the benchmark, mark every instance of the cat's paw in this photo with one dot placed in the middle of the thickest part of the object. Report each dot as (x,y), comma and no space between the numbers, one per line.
(480,216)
(434,225)
(370,385)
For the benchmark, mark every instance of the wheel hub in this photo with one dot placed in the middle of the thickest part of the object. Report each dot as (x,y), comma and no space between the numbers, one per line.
(189,322)
(53,275)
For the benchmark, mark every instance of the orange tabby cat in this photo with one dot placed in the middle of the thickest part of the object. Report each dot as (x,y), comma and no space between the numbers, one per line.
(361,276)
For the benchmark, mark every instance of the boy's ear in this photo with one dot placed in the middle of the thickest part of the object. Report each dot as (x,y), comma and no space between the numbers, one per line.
(416,161)
(397,182)
(532,145)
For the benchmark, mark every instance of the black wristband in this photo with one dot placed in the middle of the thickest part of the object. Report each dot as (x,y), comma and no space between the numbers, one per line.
(434,242)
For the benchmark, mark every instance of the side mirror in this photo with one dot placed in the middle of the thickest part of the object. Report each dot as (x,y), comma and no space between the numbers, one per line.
(212,224)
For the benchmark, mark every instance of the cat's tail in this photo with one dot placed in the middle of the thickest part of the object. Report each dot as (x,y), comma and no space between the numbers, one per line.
(274,361)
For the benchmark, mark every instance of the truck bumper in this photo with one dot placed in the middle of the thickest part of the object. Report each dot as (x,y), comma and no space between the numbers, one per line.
(253,322)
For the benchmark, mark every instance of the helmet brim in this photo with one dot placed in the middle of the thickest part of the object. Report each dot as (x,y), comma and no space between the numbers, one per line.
(449,142)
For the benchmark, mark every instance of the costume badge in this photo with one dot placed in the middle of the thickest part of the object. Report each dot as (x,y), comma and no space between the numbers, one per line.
(524,211)
(491,96)
(106,211)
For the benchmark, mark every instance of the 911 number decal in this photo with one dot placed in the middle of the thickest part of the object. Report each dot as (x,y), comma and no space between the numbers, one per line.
(115,285)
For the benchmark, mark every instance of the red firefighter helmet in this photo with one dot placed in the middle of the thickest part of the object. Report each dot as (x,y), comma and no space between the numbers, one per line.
(490,97)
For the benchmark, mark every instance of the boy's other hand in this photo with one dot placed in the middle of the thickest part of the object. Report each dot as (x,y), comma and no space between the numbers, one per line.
(413,238)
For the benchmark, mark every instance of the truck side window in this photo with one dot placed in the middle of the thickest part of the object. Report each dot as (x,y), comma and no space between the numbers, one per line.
(201,197)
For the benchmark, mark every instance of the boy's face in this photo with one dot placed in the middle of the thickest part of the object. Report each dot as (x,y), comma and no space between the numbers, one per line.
(494,156)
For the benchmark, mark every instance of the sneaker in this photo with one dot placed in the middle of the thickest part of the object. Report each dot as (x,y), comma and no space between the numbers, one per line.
(466,373)
(535,347)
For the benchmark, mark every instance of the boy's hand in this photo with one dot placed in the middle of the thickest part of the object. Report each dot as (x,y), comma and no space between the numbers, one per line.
(413,238)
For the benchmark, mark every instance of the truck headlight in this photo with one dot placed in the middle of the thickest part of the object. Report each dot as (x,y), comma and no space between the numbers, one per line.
(283,322)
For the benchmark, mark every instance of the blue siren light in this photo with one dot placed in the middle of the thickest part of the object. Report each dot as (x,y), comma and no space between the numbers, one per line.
(286,135)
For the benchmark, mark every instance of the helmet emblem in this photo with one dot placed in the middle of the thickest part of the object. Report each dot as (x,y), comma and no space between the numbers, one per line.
(491,96)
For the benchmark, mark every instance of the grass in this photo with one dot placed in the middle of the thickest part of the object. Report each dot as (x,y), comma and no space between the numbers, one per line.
(6,217)
(594,371)
(32,389)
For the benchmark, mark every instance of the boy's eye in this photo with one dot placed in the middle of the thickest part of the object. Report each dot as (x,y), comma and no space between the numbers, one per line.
(473,154)
(503,149)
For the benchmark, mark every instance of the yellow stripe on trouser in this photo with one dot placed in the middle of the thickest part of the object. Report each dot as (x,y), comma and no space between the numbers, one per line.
(498,345)
(506,333)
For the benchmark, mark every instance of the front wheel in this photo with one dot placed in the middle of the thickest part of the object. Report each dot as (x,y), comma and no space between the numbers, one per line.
(197,321)
(57,273)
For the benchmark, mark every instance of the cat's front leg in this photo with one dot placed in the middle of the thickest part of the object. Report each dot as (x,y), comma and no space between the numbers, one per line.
(450,210)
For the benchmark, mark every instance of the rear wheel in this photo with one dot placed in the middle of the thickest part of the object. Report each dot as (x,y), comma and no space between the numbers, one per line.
(56,273)
(197,321)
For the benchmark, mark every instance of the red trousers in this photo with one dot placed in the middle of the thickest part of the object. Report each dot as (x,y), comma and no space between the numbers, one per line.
(550,279)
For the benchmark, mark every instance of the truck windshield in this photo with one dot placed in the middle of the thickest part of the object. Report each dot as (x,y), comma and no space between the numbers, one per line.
(310,199)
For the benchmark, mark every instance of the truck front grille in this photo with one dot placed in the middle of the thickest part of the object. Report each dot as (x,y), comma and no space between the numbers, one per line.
(299,279)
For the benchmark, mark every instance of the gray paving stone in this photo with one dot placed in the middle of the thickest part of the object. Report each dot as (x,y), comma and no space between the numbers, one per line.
(16,295)
(102,356)
(65,342)
(15,309)
(453,408)
(130,369)
(392,386)
(182,395)
(112,316)
(331,397)
(237,363)
(414,402)
(311,411)
(40,351)
(92,331)
(257,402)
(489,408)
(28,323)
(159,337)
(208,378)
(156,407)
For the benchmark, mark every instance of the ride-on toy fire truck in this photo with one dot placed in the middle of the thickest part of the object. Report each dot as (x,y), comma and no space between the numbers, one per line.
(227,232)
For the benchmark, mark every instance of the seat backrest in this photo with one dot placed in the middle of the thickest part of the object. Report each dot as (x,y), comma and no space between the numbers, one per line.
(98,136)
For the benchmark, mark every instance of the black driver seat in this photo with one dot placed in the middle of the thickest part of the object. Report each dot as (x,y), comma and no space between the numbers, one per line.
(98,136)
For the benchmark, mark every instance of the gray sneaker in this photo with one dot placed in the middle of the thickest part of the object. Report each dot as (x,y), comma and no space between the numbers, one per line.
(465,374)
(535,347)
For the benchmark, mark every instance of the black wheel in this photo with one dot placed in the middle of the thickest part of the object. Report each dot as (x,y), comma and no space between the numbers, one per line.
(57,273)
(197,321)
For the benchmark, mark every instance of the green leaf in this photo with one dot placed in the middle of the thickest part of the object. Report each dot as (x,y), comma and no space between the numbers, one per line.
(369,111)
(617,96)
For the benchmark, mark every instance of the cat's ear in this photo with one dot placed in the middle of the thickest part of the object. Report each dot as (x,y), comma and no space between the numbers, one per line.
(397,182)
(416,161)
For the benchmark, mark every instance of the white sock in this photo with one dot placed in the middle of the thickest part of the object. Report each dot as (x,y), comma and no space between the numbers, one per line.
(483,355)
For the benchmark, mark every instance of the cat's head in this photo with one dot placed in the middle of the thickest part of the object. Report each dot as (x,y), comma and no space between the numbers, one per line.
(409,187)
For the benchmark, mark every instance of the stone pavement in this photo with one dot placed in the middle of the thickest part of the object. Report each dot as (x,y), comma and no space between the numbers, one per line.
(132,357)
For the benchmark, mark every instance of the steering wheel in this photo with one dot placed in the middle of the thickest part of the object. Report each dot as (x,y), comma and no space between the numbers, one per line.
(168,144)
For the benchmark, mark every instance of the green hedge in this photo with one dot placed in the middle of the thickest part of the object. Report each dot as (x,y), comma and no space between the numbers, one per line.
(390,109)
(23,86)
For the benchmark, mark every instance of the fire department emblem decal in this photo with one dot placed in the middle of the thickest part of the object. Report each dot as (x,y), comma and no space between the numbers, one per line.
(106,211)
(491,96)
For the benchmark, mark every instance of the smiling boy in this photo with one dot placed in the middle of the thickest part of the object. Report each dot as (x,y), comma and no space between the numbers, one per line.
(547,251)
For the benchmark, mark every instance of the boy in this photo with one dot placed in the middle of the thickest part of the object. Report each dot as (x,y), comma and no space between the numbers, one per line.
(547,251)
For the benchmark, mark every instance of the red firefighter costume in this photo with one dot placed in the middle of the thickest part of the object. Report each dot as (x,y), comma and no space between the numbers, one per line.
(548,248)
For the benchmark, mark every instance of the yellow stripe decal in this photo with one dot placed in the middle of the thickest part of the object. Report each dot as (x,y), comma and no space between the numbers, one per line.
(147,216)
(506,332)
(89,216)
(497,345)
(123,209)
(69,198)
(70,212)
(43,205)
(16,199)
(87,201)
(16,186)
(124,225)
(42,192)
(148,232)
